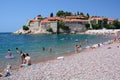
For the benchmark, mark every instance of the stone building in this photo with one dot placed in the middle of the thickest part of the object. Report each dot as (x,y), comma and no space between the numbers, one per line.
(76,26)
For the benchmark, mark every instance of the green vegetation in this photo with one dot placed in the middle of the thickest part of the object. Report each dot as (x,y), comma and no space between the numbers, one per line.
(61,13)
(61,25)
(51,14)
(96,26)
(25,28)
(40,17)
(110,26)
(87,26)
(78,13)
(66,28)
(49,29)
(82,14)
(101,23)
(104,24)
(88,15)
(116,23)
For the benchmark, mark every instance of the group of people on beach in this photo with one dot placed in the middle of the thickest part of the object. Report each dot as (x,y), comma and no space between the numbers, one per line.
(25,58)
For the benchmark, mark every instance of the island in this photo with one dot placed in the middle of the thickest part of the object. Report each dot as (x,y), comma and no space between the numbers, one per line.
(67,22)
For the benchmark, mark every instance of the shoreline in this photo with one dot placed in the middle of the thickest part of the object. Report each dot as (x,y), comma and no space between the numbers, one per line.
(46,59)
(65,54)
(67,57)
(99,31)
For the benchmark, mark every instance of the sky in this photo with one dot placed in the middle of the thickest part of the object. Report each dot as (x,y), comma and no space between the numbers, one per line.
(15,13)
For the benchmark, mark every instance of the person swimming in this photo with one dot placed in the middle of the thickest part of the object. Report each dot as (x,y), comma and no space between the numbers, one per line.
(17,51)
(43,48)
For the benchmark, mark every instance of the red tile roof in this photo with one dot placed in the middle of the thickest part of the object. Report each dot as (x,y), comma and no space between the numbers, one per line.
(110,19)
(96,18)
(75,20)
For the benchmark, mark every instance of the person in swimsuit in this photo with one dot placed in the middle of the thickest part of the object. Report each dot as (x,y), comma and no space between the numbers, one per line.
(27,61)
(9,52)
(22,57)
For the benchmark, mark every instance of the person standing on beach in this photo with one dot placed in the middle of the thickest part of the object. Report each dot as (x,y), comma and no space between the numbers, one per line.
(77,49)
(80,47)
(22,57)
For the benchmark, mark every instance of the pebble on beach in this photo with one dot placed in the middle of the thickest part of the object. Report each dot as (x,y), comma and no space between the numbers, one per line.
(94,64)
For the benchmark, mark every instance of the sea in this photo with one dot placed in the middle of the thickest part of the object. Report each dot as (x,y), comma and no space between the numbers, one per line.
(40,46)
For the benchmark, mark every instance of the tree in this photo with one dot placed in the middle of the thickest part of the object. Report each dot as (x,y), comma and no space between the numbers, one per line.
(60,13)
(100,22)
(67,13)
(51,14)
(105,21)
(96,26)
(49,29)
(65,28)
(82,14)
(88,15)
(110,26)
(39,15)
(25,28)
(62,25)
(116,23)
(78,13)
(87,26)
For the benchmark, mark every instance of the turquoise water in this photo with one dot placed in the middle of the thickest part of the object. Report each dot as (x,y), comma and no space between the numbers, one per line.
(33,44)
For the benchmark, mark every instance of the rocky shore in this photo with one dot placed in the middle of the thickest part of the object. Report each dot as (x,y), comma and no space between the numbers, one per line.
(102,63)
(100,31)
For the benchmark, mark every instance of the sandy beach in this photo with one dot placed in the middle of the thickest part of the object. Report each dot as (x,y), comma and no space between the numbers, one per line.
(102,63)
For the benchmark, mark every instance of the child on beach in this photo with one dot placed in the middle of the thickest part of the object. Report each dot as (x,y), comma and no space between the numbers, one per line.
(7,71)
